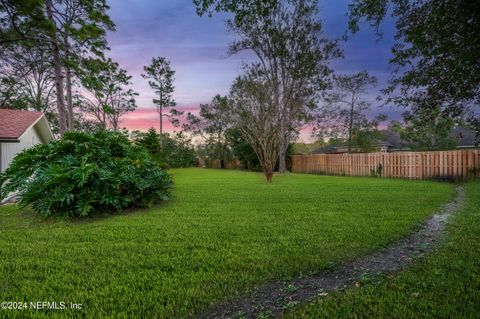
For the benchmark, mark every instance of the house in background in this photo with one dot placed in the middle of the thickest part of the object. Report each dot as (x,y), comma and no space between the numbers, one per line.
(20,130)
(393,142)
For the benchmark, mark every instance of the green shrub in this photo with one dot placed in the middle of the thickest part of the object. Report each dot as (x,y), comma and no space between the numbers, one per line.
(83,174)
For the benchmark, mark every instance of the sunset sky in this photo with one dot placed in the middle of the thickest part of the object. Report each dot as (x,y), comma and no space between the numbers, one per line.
(196,47)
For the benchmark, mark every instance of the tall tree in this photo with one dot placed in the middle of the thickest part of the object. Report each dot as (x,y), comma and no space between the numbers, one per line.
(68,27)
(82,26)
(212,124)
(111,95)
(160,77)
(287,38)
(345,108)
(436,54)
(26,81)
(26,75)
(258,117)
(242,150)
(428,129)
(245,11)
(57,67)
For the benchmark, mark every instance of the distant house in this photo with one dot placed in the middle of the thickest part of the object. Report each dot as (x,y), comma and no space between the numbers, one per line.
(392,142)
(331,149)
(466,138)
(20,130)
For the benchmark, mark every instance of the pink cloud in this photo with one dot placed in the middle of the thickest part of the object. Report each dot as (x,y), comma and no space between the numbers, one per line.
(144,118)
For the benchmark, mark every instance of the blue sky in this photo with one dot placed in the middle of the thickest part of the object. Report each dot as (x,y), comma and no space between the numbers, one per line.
(196,47)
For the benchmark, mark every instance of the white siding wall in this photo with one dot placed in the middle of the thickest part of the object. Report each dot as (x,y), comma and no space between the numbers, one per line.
(9,150)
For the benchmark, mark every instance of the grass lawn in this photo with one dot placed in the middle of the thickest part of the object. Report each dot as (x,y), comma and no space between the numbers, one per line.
(446,284)
(223,233)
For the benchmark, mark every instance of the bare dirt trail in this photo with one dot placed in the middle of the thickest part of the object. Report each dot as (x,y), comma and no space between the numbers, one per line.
(273,298)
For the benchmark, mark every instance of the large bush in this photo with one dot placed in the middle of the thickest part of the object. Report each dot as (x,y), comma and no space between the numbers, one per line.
(83,174)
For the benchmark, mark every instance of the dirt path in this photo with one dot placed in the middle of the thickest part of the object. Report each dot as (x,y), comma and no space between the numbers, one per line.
(274,298)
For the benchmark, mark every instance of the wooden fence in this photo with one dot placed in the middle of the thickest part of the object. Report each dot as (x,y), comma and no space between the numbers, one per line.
(232,164)
(415,165)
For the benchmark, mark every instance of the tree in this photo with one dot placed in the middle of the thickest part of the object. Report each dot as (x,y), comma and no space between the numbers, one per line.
(69,28)
(82,26)
(436,53)
(345,107)
(287,38)
(211,125)
(26,76)
(367,135)
(177,150)
(242,150)
(245,12)
(160,78)
(428,129)
(258,117)
(111,96)
(150,140)
(26,81)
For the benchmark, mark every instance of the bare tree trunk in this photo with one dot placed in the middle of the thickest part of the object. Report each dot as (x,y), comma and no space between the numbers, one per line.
(160,111)
(268,168)
(282,155)
(104,119)
(350,126)
(57,67)
(161,127)
(69,100)
(68,86)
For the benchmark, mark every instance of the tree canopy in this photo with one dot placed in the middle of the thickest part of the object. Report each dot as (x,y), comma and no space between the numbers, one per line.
(436,55)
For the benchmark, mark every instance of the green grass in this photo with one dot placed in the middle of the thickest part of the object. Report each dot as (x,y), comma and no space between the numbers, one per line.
(222,234)
(446,284)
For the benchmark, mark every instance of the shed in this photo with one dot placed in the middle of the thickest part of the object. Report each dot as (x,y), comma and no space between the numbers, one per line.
(19,130)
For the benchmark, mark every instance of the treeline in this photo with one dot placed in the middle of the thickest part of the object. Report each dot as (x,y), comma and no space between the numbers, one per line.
(291,84)
(53,59)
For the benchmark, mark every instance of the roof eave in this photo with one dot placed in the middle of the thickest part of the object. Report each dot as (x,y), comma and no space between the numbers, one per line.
(9,140)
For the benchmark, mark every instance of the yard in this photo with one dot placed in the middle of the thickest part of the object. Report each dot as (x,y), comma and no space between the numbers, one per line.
(444,285)
(224,233)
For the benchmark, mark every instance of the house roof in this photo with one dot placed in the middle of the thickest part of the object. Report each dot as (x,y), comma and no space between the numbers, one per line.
(464,136)
(392,139)
(332,148)
(14,123)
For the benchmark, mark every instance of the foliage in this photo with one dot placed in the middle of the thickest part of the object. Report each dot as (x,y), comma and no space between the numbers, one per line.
(26,78)
(213,242)
(245,12)
(111,96)
(258,117)
(243,151)
(178,151)
(150,140)
(366,136)
(308,148)
(428,129)
(160,77)
(436,52)
(85,174)
(62,33)
(344,112)
(177,148)
(212,124)
(443,285)
(293,54)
